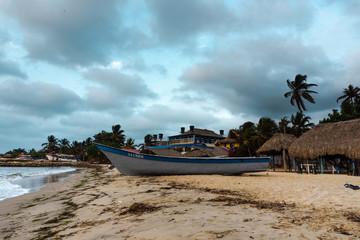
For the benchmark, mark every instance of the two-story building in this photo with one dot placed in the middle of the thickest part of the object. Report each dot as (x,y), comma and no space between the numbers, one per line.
(196,136)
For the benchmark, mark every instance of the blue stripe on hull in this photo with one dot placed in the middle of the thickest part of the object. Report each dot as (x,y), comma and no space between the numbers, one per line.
(180,159)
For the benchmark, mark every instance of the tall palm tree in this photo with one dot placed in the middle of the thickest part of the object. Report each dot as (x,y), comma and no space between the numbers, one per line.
(118,135)
(246,136)
(300,124)
(52,143)
(266,128)
(78,149)
(64,145)
(351,95)
(299,91)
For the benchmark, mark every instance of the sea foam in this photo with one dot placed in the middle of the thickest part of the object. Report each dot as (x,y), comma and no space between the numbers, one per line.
(13,180)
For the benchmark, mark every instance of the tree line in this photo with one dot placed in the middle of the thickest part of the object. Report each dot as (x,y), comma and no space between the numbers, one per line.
(82,150)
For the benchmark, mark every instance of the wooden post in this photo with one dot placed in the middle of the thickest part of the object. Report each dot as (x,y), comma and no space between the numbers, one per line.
(291,165)
(284,159)
(321,165)
(273,163)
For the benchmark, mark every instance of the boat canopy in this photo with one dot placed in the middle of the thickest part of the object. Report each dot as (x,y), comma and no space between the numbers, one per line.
(183,145)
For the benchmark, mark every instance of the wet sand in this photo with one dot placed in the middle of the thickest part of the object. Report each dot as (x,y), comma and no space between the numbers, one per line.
(103,204)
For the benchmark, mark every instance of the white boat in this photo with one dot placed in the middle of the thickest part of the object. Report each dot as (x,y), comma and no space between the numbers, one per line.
(61,157)
(137,164)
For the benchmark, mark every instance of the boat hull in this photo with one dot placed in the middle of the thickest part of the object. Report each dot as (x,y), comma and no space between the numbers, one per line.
(130,163)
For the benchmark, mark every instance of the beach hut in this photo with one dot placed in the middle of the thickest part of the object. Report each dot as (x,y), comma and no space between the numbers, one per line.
(278,144)
(330,141)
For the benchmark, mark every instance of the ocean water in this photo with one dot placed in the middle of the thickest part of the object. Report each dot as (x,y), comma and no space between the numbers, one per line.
(15,181)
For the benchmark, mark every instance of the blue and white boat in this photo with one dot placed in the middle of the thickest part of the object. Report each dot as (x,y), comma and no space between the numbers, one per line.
(138,164)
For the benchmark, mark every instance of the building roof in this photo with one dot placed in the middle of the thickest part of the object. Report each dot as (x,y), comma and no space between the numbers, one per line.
(202,132)
(277,143)
(341,138)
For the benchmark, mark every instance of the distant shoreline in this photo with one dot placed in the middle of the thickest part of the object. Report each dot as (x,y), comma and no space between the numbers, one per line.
(45,163)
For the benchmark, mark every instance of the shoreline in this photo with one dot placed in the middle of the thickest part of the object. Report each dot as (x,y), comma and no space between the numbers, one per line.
(102,203)
(34,183)
(12,204)
(45,163)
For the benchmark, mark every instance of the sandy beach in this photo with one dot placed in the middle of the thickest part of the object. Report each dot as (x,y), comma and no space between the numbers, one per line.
(103,204)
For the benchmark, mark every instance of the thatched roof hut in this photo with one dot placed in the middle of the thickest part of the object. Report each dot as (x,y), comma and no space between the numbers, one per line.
(277,143)
(202,152)
(341,138)
(162,152)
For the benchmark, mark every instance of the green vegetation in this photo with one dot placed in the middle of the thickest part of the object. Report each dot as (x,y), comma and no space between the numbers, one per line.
(350,106)
(84,151)
(251,136)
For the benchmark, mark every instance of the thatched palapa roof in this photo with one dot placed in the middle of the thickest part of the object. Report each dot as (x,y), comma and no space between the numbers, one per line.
(162,152)
(341,138)
(197,152)
(277,143)
(203,152)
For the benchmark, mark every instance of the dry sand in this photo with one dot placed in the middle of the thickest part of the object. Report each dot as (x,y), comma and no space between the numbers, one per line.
(103,204)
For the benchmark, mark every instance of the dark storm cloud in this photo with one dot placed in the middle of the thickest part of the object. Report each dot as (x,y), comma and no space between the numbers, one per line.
(117,90)
(67,32)
(175,21)
(279,14)
(38,99)
(251,76)
(10,68)
(87,32)
(180,22)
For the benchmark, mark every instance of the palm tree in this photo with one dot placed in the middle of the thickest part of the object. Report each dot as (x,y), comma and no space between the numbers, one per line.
(118,135)
(266,128)
(52,143)
(299,91)
(148,140)
(87,142)
(130,143)
(351,95)
(246,136)
(78,149)
(64,145)
(283,125)
(300,124)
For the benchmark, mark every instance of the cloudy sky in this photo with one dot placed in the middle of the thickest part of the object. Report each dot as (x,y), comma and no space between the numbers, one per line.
(73,68)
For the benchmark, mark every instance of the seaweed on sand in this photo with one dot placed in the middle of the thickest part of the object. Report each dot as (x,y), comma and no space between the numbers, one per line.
(140,208)
(231,201)
(354,217)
